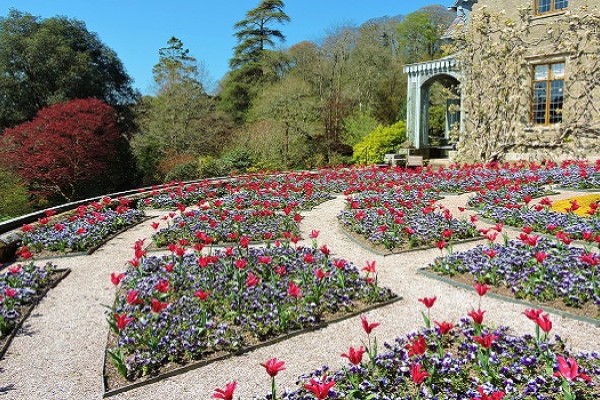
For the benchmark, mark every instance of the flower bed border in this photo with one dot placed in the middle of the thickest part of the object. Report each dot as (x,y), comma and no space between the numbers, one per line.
(357,241)
(108,392)
(60,274)
(426,271)
(93,249)
(515,229)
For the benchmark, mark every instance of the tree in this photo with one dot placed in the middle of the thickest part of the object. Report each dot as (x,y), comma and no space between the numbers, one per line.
(181,120)
(419,34)
(255,34)
(291,104)
(382,140)
(66,149)
(253,64)
(53,60)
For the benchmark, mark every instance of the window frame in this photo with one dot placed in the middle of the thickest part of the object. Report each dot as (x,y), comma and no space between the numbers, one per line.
(548,81)
(552,10)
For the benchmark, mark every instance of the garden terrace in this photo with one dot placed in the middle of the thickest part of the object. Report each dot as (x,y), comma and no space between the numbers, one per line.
(68,336)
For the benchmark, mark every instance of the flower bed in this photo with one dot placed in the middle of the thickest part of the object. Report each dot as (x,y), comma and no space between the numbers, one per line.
(543,220)
(539,270)
(468,361)
(211,226)
(86,228)
(178,309)
(398,229)
(21,287)
(171,195)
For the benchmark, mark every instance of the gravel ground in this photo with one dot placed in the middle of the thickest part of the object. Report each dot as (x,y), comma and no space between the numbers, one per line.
(58,354)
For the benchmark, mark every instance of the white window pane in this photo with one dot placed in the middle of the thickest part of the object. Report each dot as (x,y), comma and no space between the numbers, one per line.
(558,70)
(541,72)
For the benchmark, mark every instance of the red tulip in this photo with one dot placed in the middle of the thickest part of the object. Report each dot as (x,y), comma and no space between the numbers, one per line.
(227,393)
(491,253)
(533,314)
(540,256)
(309,258)
(10,292)
(320,389)
(122,321)
(368,327)
(441,244)
(428,301)
(325,250)
(24,253)
(15,269)
(158,306)
(370,267)
(155,225)
(240,263)
(314,234)
(498,395)
(477,316)
(569,370)
(265,259)
(444,327)
(417,346)
(417,374)
(162,286)
(355,355)
(116,278)
(339,263)
(251,280)
(544,322)
(274,366)
(491,236)
(294,290)
(320,274)
(481,289)
(133,298)
(485,341)
(201,294)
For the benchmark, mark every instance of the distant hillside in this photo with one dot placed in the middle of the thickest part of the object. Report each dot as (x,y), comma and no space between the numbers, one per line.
(439,13)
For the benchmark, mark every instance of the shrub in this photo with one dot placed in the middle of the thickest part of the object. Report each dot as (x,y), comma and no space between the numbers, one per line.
(14,199)
(382,140)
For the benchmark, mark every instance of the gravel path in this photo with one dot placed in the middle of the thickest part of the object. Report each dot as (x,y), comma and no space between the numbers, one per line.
(58,354)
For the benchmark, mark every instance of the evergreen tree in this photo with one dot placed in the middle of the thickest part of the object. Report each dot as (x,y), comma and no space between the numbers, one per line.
(255,34)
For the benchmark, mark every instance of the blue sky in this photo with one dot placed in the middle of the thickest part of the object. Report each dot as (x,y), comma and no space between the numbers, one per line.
(136,29)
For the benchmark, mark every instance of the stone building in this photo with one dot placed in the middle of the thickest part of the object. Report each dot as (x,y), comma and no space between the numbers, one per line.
(529,75)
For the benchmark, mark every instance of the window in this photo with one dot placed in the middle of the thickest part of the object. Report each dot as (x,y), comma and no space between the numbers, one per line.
(548,82)
(548,6)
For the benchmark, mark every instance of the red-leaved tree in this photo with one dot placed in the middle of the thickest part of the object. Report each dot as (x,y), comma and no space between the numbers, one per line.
(65,148)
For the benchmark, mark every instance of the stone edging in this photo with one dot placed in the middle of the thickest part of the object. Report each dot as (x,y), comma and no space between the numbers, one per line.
(108,392)
(565,314)
(62,274)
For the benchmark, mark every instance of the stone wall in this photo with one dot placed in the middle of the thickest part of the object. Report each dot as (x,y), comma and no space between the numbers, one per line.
(498,92)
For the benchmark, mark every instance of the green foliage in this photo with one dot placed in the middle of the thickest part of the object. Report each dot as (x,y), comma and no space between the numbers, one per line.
(254,33)
(209,167)
(419,34)
(53,60)
(181,119)
(358,125)
(183,172)
(238,159)
(14,199)
(382,140)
